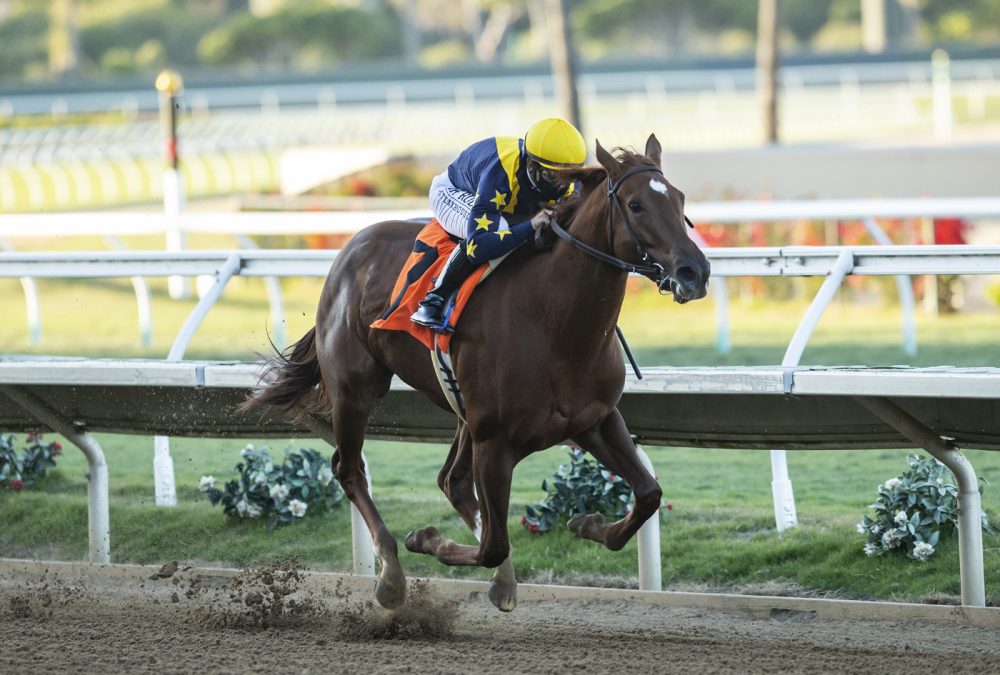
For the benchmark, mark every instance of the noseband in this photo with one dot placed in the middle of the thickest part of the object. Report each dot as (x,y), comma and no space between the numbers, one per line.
(649,268)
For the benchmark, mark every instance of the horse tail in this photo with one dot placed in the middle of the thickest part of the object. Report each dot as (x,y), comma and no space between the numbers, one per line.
(289,377)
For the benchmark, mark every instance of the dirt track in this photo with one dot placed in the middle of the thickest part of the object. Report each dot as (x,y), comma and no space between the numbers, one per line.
(272,621)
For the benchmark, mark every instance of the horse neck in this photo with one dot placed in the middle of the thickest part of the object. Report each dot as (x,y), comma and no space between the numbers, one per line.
(598,289)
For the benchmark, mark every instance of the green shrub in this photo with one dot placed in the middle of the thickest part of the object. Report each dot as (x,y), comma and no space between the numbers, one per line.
(582,486)
(302,483)
(913,511)
(20,469)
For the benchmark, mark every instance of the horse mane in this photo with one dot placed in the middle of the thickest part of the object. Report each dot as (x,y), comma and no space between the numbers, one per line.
(592,177)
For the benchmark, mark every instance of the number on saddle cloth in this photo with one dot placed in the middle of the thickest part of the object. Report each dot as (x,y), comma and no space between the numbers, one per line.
(429,255)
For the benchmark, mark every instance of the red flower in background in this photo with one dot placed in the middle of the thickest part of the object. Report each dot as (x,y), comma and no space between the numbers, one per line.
(17,485)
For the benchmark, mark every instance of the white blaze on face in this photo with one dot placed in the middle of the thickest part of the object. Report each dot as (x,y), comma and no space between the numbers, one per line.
(658,186)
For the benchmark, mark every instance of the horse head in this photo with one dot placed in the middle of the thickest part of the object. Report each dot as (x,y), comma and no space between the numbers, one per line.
(646,223)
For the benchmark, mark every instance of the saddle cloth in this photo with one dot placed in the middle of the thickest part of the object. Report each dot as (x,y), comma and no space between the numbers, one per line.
(430,253)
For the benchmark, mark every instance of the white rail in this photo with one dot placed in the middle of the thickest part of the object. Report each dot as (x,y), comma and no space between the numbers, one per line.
(347,222)
(783,261)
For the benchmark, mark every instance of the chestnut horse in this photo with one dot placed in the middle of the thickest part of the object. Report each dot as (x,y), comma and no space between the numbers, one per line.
(535,355)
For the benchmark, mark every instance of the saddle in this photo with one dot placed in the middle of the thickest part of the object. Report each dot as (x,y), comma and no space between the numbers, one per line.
(430,253)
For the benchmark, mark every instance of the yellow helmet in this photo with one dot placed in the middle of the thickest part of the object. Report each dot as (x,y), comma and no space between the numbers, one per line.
(555,144)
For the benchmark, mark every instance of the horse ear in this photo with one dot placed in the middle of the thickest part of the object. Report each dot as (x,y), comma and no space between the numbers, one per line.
(609,163)
(653,149)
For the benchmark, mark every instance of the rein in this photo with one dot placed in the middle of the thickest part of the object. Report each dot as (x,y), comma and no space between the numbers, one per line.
(648,268)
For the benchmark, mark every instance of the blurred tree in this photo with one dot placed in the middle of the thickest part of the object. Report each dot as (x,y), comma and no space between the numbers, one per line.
(23,36)
(664,26)
(961,19)
(804,18)
(335,34)
(175,26)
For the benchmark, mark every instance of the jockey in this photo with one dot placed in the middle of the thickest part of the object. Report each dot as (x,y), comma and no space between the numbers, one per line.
(492,197)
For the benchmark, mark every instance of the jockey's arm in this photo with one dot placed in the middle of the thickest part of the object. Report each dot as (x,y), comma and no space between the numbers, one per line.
(491,233)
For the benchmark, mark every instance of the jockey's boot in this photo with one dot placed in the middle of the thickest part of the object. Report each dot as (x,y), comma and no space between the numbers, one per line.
(430,313)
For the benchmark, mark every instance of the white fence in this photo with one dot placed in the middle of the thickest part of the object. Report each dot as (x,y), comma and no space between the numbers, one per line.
(834,263)
(242,226)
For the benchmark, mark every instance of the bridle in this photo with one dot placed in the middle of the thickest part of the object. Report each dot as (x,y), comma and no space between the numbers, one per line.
(649,267)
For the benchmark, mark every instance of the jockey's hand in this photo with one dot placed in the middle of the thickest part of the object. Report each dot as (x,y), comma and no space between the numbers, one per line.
(542,218)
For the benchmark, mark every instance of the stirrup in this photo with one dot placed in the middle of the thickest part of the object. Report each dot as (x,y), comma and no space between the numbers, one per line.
(430,313)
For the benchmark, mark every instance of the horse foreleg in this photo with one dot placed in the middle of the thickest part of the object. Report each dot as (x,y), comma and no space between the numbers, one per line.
(349,420)
(456,482)
(610,443)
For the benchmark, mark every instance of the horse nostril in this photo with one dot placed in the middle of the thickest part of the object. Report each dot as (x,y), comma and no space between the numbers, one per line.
(686,276)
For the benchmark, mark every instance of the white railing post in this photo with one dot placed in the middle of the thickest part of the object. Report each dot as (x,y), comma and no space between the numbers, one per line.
(163,464)
(143,305)
(906,301)
(781,485)
(720,294)
(275,298)
(650,570)
(941,94)
(32,308)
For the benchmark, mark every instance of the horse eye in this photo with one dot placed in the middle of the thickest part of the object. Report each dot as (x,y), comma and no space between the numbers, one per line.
(635,207)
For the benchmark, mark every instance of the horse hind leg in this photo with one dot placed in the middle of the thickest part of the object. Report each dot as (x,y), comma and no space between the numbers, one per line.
(610,443)
(351,399)
(456,482)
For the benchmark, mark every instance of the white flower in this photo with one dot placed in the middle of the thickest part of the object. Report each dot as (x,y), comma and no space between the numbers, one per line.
(861,527)
(297,508)
(260,478)
(872,549)
(253,511)
(892,484)
(325,475)
(279,492)
(241,508)
(922,550)
(900,517)
(206,483)
(876,530)
(889,540)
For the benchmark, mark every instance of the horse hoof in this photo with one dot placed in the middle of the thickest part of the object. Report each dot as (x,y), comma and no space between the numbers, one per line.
(587,526)
(390,593)
(422,540)
(503,596)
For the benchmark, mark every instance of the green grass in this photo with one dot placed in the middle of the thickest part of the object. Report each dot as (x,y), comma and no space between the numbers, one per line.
(719,535)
